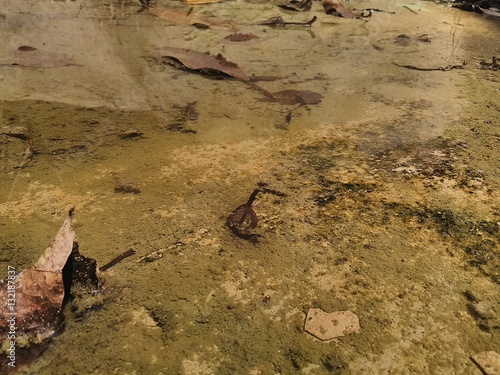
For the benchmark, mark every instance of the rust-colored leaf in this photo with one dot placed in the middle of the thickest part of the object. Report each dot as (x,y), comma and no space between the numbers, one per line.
(297,5)
(207,64)
(37,294)
(243,219)
(186,18)
(337,8)
(31,302)
(204,62)
(239,37)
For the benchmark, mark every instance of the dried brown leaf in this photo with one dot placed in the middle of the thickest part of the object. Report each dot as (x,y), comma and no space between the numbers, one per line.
(337,8)
(185,18)
(38,293)
(203,62)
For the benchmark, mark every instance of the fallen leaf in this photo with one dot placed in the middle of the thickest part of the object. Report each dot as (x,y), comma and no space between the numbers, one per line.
(239,37)
(186,18)
(204,62)
(336,8)
(280,22)
(31,302)
(243,219)
(297,5)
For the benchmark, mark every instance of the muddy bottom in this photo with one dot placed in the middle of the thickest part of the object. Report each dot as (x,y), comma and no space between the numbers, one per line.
(382,199)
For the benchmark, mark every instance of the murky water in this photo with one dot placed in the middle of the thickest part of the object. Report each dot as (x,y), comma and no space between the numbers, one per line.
(388,199)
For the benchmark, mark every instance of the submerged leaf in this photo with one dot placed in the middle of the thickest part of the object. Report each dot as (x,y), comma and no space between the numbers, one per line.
(186,18)
(243,219)
(239,37)
(207,64)
(204,62)
(297,5)
(244,214)
(337,8)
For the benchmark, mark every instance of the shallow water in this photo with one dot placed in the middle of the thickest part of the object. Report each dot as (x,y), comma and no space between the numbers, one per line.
(390,205)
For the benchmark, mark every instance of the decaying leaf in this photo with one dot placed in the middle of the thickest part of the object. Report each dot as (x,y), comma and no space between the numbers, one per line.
(218,65)
(494,65)
(337,8)
(31,301)
(30,57)
(204,62)
(280,22)
(178,17)
(239,37)
(297,5)
(243,219)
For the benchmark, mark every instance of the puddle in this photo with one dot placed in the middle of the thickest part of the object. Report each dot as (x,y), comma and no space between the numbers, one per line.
(388,200)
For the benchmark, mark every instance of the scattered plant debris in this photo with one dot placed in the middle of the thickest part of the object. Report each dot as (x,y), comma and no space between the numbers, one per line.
(280,22)
(297,5)
(264,188)
(239,37)
(494,65)
(125,186)
(405,40)
(286,122)
(337,8)
(440,68)
(130,134)
(201,62)
(181,116)
(219,66)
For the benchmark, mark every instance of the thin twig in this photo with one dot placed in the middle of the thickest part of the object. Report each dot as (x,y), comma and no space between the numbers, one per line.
(441,68)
